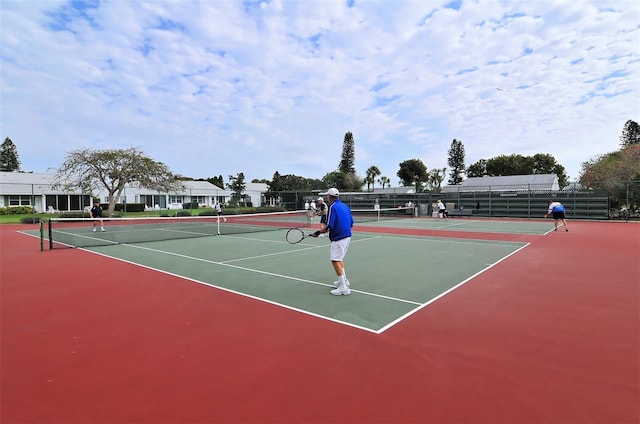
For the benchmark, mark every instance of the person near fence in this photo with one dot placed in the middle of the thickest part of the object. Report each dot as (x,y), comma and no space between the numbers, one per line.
(442,210)
(218,208)
(556,210)
(321,211)
(339,223)
(96,214)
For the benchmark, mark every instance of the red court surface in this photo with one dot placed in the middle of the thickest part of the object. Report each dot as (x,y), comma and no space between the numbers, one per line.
(549,335)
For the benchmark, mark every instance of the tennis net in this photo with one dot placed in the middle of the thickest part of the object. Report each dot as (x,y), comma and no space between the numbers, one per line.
(382,214)
(79,232)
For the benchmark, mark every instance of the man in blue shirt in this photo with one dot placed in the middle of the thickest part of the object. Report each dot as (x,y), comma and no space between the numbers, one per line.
(556,209)
(339,223)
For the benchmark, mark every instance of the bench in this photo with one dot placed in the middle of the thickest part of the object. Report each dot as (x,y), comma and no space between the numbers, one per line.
(460,212)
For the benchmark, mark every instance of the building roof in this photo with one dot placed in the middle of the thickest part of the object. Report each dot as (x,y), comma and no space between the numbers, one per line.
(23,183)
(394,190)
(507,183)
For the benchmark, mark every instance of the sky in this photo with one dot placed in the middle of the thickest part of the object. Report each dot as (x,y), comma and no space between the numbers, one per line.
(218,87)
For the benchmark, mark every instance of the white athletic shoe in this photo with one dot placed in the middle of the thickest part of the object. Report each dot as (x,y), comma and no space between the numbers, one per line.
(94,229)
(103,230)
(341,291)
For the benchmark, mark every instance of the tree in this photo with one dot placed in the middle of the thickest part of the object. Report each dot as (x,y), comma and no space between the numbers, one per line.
(546,164)
(477,169)
(514,164)
(9,161)
(413,172)
(436,177)
(372,173)
(348,158)
(613,172)
(343,181)
(112,170)
(217,181)
(276,183)
(237,185)
(384,181)
(509,165)
(456,162)
(630,134)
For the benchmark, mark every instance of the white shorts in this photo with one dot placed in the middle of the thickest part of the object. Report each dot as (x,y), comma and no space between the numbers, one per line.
(339,249)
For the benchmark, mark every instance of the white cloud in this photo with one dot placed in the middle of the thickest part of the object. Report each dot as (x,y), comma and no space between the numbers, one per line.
(221,87)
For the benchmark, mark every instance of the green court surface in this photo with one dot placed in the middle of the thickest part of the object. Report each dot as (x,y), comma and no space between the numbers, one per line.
(391,276)
(493,225)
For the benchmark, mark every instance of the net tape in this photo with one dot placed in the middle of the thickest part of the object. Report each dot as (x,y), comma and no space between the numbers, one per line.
(79,232)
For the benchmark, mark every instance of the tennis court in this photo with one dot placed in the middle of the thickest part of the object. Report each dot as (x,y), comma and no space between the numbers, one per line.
(505,321)
(393,275)
(298,277)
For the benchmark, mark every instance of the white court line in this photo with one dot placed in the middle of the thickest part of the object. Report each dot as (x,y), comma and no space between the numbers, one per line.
(408,314)
(419,305)
(256,271)
(439,240)
(271,274)
(313,247)
(193,280)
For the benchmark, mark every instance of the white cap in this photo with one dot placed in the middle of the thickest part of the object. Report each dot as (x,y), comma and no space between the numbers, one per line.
(320,199)
(333,192)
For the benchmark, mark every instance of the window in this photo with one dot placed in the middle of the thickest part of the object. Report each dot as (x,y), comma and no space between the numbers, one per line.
(176,199)
(19,200)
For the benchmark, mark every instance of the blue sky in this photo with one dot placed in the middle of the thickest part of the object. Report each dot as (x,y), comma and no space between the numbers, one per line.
(221,87)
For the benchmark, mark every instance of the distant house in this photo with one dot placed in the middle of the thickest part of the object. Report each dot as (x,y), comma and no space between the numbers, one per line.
(36,190)
(394,190)
(256,191)
(535,182)
(201,192)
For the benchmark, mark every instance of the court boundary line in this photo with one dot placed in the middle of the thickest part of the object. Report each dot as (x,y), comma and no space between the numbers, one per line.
(419,305)
(243,294)
(460,284)
(240,293)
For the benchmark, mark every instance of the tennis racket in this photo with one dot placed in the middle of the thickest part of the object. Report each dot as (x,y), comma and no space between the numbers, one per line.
(296,235)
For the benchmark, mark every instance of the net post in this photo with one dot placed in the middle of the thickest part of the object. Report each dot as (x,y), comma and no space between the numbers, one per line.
(49,225)
(41,235)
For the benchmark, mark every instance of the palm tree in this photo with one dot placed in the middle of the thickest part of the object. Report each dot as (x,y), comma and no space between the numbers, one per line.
(384,181)
(436,177)
(372,173)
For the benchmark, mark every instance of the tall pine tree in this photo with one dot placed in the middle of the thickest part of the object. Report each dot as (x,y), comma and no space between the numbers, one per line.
(348,158)
(9,161)
(456,162)
(630,134)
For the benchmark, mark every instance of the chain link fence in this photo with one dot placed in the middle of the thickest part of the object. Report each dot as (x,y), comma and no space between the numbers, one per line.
(614,200)
(620,201)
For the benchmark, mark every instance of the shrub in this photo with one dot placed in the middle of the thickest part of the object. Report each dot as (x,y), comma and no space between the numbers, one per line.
(17,210)
(183,213)
(193,205)
(131,207)
(30,220)
(74,215)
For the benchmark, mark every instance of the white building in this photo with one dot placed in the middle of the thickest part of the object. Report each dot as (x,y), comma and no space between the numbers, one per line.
(30,189)
(201,192)
(535,182)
